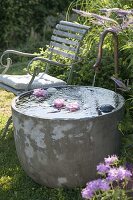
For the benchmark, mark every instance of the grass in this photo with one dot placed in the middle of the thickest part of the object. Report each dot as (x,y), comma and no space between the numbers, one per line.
(14,183)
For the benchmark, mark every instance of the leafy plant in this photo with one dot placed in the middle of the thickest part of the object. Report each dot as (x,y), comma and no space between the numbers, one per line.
(19,19)
(106,9)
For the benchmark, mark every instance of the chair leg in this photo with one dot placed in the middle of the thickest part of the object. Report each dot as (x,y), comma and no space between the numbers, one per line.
(9,121)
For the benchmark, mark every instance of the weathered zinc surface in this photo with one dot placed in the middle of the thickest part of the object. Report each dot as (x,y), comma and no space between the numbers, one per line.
(64,152)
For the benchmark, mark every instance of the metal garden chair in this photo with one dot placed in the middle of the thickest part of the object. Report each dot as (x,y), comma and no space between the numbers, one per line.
(65,43)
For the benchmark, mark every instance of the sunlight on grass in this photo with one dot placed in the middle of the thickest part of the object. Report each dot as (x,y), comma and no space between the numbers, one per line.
(5,107)
(5,103)
(5,182)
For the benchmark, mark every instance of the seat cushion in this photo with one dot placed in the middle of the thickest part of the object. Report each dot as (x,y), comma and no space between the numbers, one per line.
(20,82)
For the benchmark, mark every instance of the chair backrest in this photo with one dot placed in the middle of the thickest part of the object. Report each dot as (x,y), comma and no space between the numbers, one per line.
(67,38)
(64,47)
(65,42)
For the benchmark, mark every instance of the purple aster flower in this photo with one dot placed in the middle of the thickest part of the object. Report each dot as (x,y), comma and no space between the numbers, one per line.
(119,174)
(94,186)
(99,184)
(103,168)
(123,173)
(87,193)
(104,185)
(111,160)
(40,92)
(112,174)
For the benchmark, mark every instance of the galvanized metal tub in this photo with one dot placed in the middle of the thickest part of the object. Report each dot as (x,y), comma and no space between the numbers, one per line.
(63,149)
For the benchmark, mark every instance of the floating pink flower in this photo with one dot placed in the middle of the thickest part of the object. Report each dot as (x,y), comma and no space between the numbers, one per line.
(40,92)
(73,106)
(59,103)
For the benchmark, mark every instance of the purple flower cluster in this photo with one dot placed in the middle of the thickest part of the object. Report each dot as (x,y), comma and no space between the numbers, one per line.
(111,160)
(111,174)
(103,168)
(93,186)
(118,174)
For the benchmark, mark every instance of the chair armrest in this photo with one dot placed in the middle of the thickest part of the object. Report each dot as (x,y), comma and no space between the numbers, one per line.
(9,61)
(46,60)
(52,62)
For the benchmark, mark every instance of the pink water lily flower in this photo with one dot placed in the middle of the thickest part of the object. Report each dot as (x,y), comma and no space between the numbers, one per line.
(73,106)
(40,92)
(59,103)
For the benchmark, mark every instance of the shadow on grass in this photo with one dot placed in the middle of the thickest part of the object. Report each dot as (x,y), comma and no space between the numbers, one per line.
(16,185)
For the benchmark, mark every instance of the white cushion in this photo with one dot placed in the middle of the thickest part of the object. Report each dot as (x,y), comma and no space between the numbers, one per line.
(20,82)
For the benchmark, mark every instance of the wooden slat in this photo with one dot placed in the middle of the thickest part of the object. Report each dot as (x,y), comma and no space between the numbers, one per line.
(68,35)
(62,46)
(70,28)
(64,54)
(62,40)
(74,25)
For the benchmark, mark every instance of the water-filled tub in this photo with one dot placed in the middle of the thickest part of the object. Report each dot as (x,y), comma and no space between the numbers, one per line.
(57,147)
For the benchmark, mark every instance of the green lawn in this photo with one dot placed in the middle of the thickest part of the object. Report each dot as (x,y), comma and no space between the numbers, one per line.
(14,183)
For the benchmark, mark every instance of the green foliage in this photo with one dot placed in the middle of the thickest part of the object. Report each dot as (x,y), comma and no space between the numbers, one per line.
(127,148)
(24,22)
(125,38)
